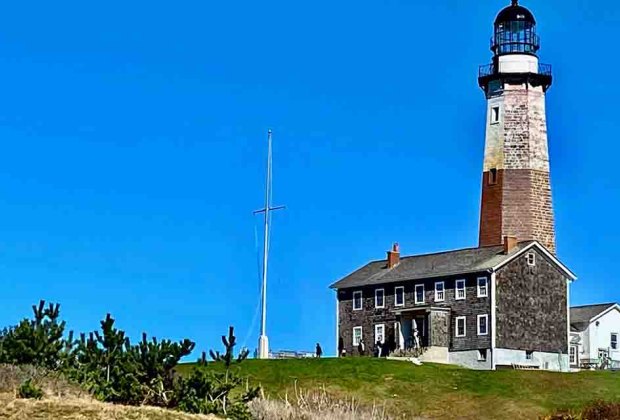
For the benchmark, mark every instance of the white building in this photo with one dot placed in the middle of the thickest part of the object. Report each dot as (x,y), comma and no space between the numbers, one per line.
(595,330)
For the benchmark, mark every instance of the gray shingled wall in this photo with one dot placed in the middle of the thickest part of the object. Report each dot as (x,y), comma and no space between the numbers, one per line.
(442,332)
(531,306)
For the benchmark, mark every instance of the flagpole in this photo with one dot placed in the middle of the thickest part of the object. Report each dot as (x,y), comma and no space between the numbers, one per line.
(263,341)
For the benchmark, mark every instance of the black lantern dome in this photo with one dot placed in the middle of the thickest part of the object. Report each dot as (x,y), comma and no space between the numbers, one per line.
(515,31)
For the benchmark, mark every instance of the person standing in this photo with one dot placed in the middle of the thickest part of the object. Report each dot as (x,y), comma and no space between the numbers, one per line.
(361,348)
(319,350)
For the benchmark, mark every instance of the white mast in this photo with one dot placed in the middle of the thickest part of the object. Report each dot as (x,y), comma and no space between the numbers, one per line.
(263,341)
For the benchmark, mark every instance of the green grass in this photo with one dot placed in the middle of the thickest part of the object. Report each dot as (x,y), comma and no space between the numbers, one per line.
(436,391)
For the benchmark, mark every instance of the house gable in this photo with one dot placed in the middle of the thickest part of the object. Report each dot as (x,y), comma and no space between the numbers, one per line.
(531,304)
(542,251)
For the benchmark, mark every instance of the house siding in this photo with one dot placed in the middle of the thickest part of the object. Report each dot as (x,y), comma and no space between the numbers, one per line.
(442,324)
(531,306)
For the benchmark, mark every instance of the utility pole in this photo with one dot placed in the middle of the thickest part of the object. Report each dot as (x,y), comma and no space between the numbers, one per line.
(263,341)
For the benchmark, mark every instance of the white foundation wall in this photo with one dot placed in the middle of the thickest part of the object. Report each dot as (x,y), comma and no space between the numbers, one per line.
(469,359)
(435,355)
(545,361)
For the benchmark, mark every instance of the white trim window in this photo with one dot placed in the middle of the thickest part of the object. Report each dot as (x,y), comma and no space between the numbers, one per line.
(483,324)
(614,341)
(399,296)
(379,298)
(357,300)
(573,355)
(440,291)
(460,329)
(357,336)
(380,333)
(459,290)
(483,287)
(531,259)
(419,294)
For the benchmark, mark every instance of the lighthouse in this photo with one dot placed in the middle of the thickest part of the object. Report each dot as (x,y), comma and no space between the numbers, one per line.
(516,189)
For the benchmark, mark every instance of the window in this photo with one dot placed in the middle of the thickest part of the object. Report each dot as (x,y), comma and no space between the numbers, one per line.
(357,301)
(380,333)
(419,293)
(614,341)
(531,259)
(482,355)
(461,330)
(495,115)
(380,298)
(460,290)
(483,287)
(440,293)
(357,336)
(573,355)
(399,296)
(493,176)
(483,324)
(529,355)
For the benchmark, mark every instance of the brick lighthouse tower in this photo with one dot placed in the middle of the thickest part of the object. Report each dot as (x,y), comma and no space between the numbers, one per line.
(516,192)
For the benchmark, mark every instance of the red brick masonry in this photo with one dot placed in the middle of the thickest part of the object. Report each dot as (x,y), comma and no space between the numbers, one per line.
(518,204)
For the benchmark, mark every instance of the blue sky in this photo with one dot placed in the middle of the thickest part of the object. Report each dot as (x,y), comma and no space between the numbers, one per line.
(133,148)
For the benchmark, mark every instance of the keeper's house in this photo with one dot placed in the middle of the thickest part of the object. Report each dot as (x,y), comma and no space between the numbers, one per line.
(483,308)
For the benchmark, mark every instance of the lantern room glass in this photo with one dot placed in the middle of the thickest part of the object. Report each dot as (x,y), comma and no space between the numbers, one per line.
(515,37)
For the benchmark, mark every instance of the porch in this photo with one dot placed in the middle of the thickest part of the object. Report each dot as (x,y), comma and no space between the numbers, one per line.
(423,330)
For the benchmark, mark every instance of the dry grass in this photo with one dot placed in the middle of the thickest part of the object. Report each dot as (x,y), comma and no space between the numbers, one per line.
(71,408)
(317,404)
(66,401)
(52,383)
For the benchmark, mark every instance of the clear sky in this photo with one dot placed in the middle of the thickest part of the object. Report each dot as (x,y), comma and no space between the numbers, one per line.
(134,140)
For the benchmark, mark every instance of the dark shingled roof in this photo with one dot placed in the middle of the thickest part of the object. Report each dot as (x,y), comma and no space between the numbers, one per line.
(460,261)
(580,316)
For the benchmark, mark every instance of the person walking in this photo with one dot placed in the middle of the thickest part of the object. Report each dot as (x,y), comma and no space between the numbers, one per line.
(377,352)
(319,350)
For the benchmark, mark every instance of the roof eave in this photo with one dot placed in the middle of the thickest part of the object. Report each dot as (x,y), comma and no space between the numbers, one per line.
(605,312)
(434,276)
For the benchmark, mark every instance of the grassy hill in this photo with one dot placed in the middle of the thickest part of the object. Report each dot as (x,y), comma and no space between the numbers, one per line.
(433,391)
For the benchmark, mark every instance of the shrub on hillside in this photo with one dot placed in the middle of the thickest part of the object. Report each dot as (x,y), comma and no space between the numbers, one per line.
(106,364)
(29,390)
(116,371)
(38,341)
(598,410)
(207,391)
